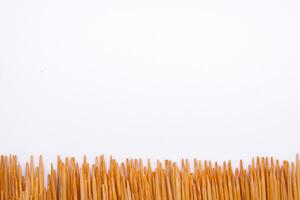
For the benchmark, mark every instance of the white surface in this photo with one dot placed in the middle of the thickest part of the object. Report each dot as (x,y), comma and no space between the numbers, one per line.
(160,79)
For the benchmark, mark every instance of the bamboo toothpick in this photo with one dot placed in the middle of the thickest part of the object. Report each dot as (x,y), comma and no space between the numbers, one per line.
(263,179)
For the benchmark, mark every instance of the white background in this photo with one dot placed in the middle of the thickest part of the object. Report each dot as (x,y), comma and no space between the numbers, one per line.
(152,79)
